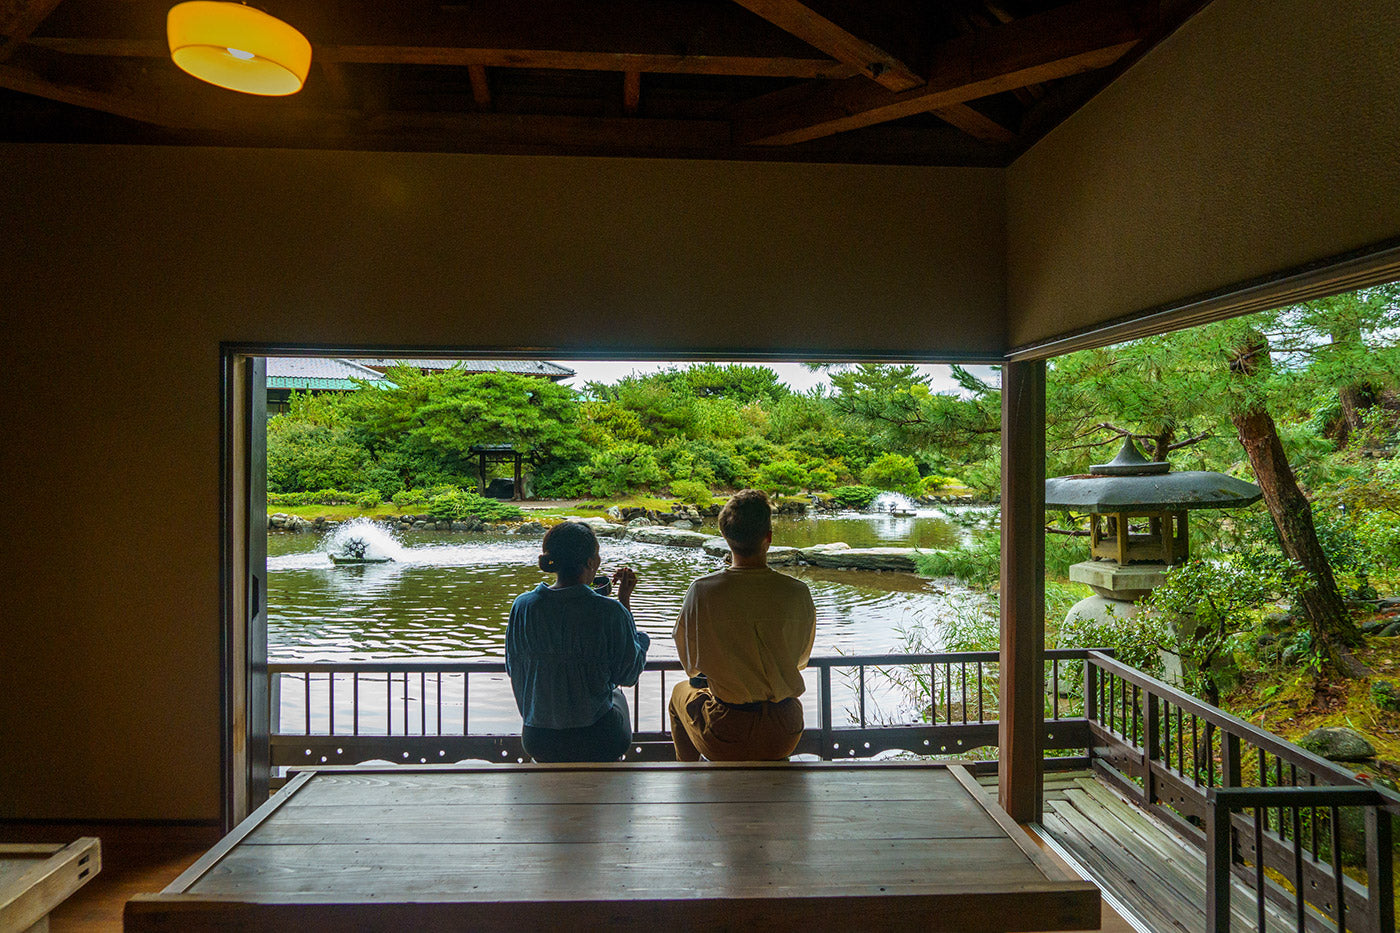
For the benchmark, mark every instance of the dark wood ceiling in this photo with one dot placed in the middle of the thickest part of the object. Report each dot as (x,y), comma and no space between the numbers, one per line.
(928,82)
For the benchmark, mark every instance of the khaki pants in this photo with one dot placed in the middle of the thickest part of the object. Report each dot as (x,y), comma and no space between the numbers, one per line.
(702,725)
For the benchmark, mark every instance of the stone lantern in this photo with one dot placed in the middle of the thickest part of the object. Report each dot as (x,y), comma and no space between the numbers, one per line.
(1137,523)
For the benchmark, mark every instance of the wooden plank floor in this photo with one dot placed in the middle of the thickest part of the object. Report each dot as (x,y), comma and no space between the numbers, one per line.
(1158,875)
(680,846)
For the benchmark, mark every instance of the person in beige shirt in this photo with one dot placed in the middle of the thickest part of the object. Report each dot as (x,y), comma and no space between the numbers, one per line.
(744,635)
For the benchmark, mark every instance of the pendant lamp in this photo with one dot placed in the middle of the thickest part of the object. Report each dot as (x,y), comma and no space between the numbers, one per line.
(238,47)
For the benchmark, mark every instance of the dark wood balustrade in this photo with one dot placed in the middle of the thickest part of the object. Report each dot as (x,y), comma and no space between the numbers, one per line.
(1189,763)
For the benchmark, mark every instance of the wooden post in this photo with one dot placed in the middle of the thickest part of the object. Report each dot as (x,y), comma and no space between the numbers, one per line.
(1152,750)
(1219,860)
(1022,706)
(519,493)
(1380,872)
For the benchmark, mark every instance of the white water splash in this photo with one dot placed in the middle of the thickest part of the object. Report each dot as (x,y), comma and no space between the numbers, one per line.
(893,501)
(361,537)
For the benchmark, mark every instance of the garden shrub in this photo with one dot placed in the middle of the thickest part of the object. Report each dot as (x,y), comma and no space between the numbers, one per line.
(365,500)
(783,477)
(854,497)
(691,491)
(409,499)
(894,472)
(456,504)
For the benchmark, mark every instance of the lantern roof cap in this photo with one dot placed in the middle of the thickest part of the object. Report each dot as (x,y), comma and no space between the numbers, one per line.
(1130,462)
(1131,482)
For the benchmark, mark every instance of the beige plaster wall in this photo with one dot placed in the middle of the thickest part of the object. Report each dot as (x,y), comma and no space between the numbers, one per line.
(1257,138)
(122,269)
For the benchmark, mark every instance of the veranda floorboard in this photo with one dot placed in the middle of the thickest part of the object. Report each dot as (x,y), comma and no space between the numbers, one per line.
(1123,882)
(1159,874)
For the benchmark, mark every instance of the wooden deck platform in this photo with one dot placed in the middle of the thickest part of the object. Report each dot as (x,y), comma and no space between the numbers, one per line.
(1139,861)
(627,847)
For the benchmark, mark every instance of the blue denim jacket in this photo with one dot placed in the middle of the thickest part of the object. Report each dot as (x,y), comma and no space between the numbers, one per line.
(565,652)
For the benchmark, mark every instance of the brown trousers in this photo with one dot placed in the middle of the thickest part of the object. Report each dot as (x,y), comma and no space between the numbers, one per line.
(703,725)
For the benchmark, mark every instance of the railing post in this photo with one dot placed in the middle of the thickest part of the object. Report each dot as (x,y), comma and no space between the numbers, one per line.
(1229,759)
(1380,869)
(1219,861)
(1152,748)
(825,712)
(274,703)
(1091,701)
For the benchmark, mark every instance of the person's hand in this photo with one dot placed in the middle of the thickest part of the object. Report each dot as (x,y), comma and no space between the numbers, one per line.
(625,581)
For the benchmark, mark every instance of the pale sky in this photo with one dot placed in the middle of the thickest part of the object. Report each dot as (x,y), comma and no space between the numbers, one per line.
(795,375)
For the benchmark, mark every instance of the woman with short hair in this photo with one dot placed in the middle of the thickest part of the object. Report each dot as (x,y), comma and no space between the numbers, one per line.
(569,648)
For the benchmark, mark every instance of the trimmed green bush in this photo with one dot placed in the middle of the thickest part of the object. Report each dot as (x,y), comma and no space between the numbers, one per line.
(456,504)
(365,500)
(894,472)
(691,491)
(854,497)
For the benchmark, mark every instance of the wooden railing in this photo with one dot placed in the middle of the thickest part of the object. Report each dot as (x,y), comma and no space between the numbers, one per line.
(1188,763)
(423,711)
(1223,860)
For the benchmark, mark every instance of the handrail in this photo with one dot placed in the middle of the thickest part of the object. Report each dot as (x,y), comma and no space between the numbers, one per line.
(484,666)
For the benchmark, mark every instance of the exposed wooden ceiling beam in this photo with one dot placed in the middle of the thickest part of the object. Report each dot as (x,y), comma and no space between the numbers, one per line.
(481,88)
(821,33)
(337,87)
(19,18)
(631,92)
(142,104)
(216,116)
(1078,37)
(975,123)
(813,68)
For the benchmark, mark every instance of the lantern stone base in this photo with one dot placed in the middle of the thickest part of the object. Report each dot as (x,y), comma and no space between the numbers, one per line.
(1113,580)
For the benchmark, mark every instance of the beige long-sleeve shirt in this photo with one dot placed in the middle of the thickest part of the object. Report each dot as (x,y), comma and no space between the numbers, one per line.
(750,631)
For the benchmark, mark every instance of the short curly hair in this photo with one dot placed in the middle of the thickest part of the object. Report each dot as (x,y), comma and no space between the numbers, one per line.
(745,521)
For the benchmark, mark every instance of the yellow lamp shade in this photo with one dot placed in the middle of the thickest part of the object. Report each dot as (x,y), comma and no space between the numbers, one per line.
(238,47)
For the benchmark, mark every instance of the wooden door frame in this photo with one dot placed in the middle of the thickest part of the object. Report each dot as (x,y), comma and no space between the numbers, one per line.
(242,702)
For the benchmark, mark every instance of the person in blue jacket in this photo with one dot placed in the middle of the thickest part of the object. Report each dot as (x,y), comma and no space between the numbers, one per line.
(568,648)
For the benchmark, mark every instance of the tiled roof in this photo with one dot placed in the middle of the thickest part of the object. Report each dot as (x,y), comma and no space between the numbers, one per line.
(521,367)
(318,367)
(285,372)
(319,372)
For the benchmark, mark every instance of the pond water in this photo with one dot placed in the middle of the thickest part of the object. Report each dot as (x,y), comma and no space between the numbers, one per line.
(448,595)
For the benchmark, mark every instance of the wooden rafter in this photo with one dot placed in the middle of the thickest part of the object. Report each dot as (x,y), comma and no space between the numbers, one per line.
(975,123)
(19,18)
(759,66)
(134,105)
(481,88)
(821,33)
(631,92)
(1078,37)
(338,88)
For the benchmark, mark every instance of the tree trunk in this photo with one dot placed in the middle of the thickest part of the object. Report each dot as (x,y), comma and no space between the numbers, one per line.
(1162,441)
(1358,396)
(1356,399)
(1332,628)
